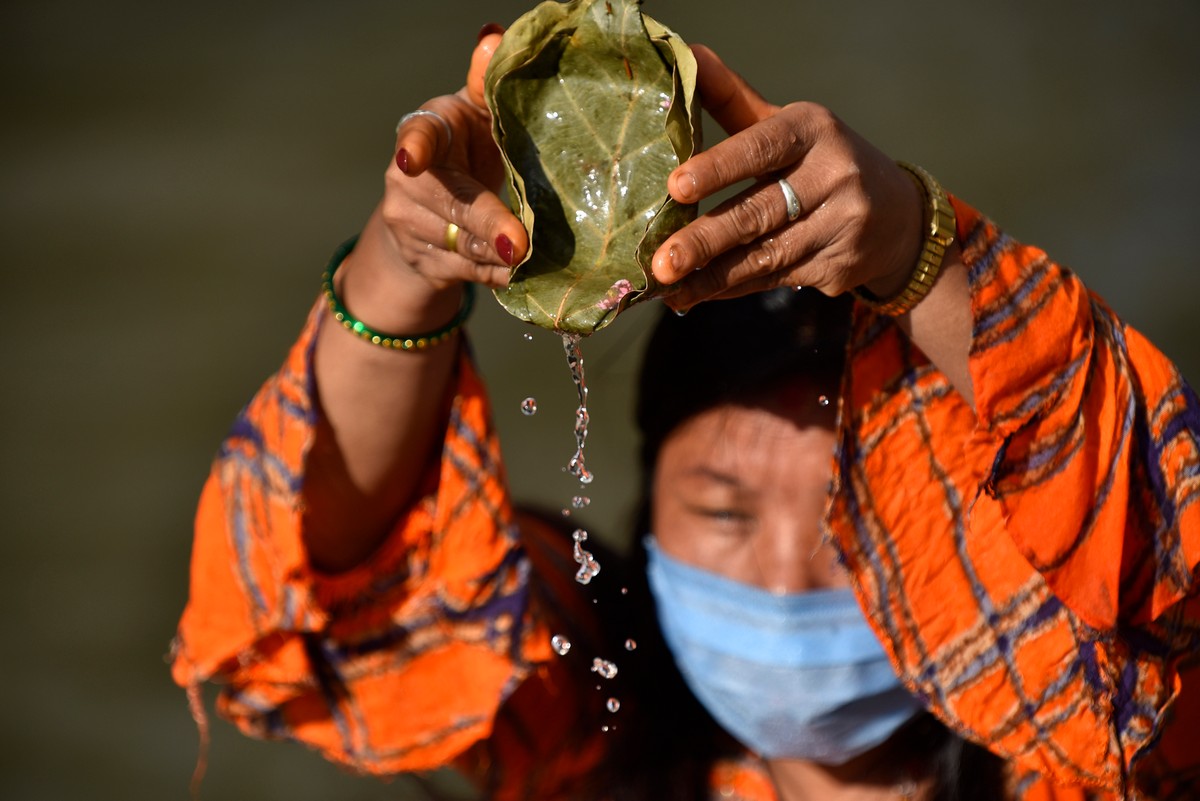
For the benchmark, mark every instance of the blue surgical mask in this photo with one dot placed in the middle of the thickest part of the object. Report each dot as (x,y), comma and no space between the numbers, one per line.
(797,675)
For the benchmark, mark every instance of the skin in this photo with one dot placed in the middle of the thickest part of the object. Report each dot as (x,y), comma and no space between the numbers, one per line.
(382,412)
(740,491)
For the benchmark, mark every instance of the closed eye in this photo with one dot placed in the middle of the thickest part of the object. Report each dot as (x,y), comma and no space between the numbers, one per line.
(720,514)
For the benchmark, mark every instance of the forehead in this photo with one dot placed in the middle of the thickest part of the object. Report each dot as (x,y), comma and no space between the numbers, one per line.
(791,426)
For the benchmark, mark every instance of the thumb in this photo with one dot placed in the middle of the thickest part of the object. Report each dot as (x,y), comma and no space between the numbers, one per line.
(489,40)
(733,103)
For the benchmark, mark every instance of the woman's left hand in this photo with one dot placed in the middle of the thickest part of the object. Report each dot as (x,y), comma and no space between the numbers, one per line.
(860,220)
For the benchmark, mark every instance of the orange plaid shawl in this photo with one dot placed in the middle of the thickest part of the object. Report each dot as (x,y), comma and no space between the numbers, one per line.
(1029,567)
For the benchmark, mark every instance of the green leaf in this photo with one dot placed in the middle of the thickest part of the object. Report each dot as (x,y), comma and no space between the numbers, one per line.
(593,105)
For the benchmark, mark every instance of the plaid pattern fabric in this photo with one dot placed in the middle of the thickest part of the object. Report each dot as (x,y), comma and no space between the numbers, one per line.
(1031,566)
(436,624)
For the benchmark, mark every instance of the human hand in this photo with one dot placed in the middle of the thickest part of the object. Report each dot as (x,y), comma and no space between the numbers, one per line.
(447,171)
(860,215)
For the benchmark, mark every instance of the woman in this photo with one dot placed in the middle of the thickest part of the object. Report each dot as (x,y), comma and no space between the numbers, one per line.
(1007,500)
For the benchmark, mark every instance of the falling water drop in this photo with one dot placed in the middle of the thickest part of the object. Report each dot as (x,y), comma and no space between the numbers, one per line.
(527,337)
(529,407)
(560,644)
(613,704)
(823,401)
(576,466)
(630,645)
(588,566)
(580,501)
(624,590)
(606,669)
(604,729)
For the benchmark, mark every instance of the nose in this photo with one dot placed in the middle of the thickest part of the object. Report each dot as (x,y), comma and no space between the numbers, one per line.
(793,557)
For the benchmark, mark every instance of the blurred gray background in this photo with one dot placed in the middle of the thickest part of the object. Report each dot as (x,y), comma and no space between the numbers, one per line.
(173,178)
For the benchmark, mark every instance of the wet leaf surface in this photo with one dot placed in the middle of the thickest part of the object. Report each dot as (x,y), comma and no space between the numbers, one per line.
(593,105)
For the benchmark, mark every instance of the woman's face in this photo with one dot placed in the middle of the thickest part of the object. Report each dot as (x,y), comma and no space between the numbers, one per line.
(740,491)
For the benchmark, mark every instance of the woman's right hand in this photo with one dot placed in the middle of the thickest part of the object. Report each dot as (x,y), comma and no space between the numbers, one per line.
(450,173)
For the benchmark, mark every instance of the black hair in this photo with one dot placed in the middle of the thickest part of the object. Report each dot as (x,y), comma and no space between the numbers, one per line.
(736,351)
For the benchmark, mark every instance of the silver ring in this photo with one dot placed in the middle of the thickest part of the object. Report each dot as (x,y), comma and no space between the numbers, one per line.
(422,112)
(789,197)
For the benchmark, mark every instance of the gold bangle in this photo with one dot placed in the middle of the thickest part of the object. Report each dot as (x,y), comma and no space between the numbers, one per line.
(939,218)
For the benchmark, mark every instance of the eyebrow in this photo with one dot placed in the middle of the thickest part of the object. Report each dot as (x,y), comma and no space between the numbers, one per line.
(702,471)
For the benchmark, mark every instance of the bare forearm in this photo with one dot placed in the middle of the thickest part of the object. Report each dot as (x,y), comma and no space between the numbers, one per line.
(382,411)
(940,325)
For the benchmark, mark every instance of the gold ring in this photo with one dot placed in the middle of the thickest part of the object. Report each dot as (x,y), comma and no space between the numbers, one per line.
(452,238)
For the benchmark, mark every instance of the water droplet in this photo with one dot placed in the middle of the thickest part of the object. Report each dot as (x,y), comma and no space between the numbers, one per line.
(613,704)
(680,312)
(588,566)
(823,401)
(560,644)
(604,728)
(624,590)
(527,337)
(566,512)
(606,669)
(630,645)
(529,407)
(580,501)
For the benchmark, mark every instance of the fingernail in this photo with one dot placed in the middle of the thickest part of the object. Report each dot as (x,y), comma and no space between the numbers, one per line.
(402,160)
(489,29)
(685,184)
(504,247)
(675,258)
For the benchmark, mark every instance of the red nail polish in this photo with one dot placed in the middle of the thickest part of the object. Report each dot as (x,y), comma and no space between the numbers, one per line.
(504,247)
(489,29)
(402,160)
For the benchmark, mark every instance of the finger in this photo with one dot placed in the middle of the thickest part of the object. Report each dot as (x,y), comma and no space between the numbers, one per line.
(426,245)
(732,102)
(489,40)
(766,147)
(424,140)
(456,197)
(785,257)
(473,206)
(738,221)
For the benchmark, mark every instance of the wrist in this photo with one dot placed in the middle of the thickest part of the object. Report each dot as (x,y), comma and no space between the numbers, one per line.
(907,249)
(378,288)
(938,223)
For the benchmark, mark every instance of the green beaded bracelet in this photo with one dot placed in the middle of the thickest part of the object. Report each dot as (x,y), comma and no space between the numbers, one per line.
(398,341)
